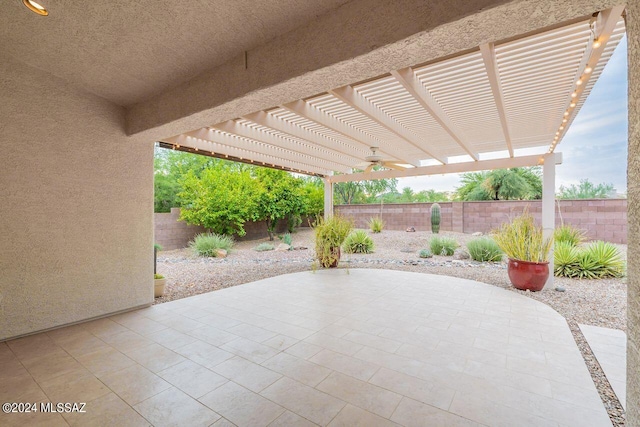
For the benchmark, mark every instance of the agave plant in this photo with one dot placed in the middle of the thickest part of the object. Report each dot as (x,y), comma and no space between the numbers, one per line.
(521,239)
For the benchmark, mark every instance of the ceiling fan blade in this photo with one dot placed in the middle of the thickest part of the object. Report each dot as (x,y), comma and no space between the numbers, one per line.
(392,165)
(369,168)
(362,166)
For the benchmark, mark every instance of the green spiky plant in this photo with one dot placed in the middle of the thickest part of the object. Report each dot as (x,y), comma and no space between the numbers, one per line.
(443,245)
(435,218)
(484,249)
(358,242)
(521,239)
(376,224)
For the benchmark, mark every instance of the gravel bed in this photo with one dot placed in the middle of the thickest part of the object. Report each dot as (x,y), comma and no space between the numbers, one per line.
(592,302)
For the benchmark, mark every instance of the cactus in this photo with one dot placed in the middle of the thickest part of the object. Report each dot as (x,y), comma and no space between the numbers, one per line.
(435,218)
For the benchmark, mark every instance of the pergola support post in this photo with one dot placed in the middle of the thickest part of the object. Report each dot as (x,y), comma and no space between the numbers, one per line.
(328,198)
(548,206)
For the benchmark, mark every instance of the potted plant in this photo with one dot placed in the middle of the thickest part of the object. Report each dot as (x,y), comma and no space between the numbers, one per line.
(159,280)
(159,284)
(528,252)
(330,235)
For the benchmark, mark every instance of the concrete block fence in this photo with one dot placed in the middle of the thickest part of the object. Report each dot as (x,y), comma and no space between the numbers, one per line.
(602,219)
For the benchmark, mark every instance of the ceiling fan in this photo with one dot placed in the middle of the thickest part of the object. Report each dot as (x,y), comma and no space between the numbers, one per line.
(376,160)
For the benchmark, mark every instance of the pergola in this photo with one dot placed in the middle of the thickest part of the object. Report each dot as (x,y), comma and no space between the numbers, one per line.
(488,108)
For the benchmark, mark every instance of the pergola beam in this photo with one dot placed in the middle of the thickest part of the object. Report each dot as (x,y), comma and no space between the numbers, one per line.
(208,140)
(346,152)
(303,109)
(233,127)
(491,66)
(416,89)
(355,100)
(480,165)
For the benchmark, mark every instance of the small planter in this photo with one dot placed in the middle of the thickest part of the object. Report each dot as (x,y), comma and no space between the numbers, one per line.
(159,285)
(335,257)
(525,275)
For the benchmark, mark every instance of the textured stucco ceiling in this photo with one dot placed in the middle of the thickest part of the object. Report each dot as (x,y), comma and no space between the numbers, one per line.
(127,51)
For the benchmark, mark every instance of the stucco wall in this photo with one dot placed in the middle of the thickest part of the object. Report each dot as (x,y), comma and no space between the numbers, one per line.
(601,219)
(76,236)
(633,189)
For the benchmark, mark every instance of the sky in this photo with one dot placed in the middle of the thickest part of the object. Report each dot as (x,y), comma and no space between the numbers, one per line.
(595,145)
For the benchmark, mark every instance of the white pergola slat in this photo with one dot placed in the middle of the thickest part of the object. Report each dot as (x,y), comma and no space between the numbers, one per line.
(496,101)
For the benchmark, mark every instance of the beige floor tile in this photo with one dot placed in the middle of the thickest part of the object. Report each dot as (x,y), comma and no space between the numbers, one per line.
(373,341)
(20,388)
(212,335)
(181,323)
(362,394)
(406,385)
(485,410)
(251,332)
(303,350)
(247,374)
(303,400)
(242,406)
(11,368)
(339,345)
(351,416)
(126,340)
(298,369)
(280,342)
(155,357)
(289,419)
(104,327)
(145,326)
(218,321)
(251,350)
(47,367)
(83,344)
(77,387)
(32,419)
(171,339)
(27,347)
(107,410)
(411,413)
(204,354)
(174,408)
(135,384)
(347,365)
(103,362)
(193,379)
(223,422)
(335,330)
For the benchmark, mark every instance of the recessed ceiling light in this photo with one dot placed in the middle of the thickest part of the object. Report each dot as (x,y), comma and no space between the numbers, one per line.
(35,7)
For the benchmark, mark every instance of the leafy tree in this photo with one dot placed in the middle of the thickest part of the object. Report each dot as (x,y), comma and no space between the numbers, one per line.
(280,196)
(166,191)
(348,193)
(221,199)
(501,184)
(313,190)
(586,190)
(431,196)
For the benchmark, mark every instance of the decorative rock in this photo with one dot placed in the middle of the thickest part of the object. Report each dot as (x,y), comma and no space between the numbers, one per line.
(461,254)
(221,253)
(477,233)
(411,230)
(283,247)
(407,250)
(560,289)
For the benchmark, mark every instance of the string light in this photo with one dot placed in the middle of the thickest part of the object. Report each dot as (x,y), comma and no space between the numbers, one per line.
(596,43)
(573,104)
(579,82)
(588,69)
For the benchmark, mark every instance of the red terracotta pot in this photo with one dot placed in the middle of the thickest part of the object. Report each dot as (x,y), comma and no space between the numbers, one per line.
(528,275)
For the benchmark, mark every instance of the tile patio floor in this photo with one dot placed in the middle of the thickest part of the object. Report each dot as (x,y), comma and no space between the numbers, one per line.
(338,348)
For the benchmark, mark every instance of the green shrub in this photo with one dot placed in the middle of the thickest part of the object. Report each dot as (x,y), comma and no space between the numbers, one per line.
(358,242)
(595,261)
(425,253)
(157,247)
(443,245)
(484,249)
(376,224)
(286,238)
(330,235)
(523,240)
(206,244)
(569,233)
(264,247)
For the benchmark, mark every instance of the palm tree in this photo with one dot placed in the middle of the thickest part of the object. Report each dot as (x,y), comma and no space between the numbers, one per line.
(501,184)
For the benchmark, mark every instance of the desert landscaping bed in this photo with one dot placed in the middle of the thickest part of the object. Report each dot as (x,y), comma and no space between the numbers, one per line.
(593,302)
